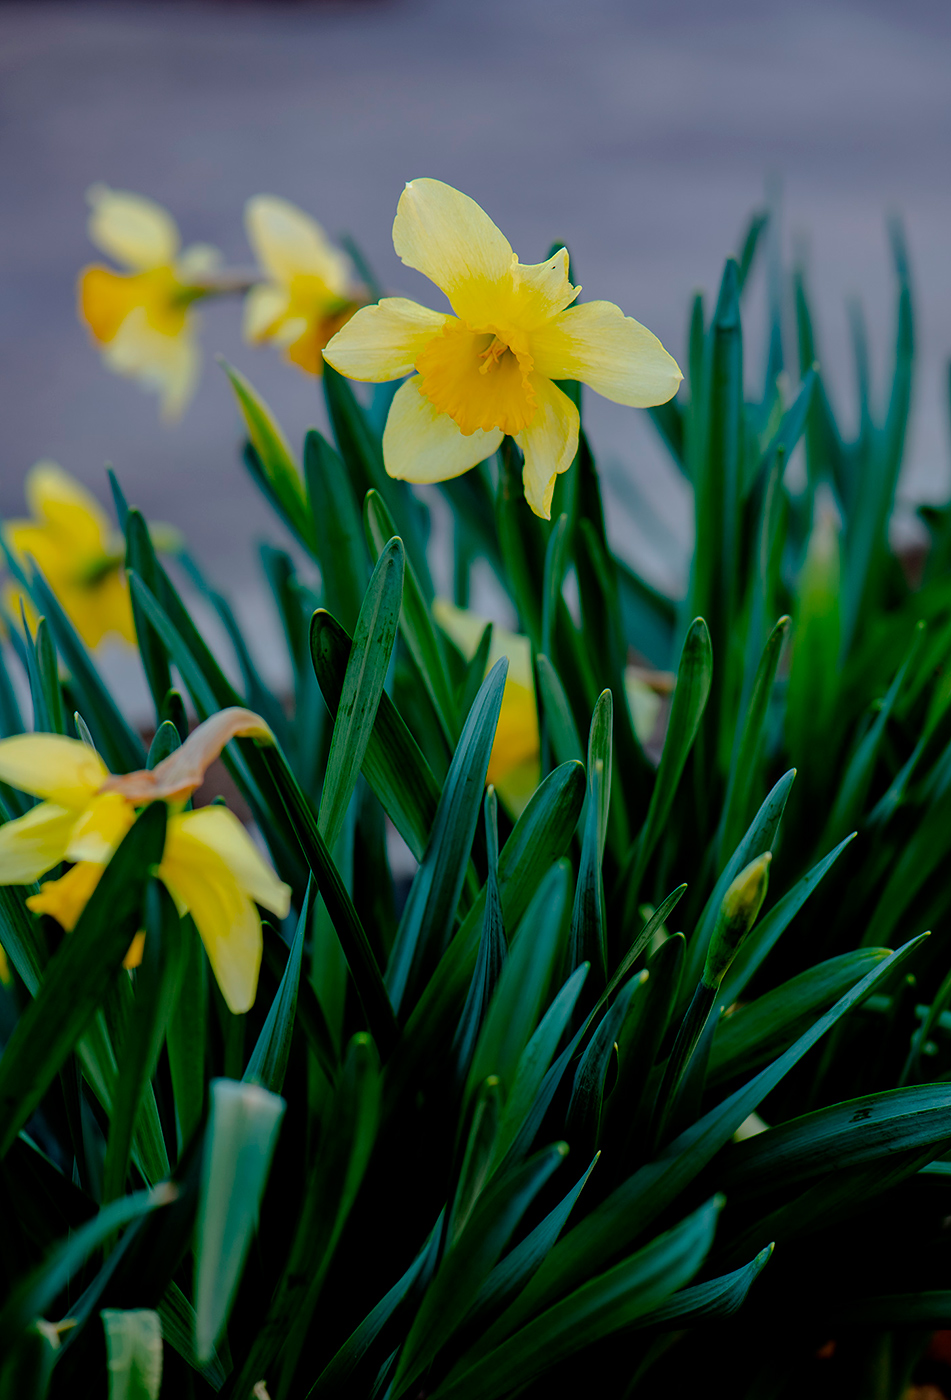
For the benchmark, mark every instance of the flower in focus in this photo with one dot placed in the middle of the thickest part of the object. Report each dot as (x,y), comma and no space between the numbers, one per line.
(488,369)
(142,318)
(210,865)
(74,546)
(308,294)
(515,763)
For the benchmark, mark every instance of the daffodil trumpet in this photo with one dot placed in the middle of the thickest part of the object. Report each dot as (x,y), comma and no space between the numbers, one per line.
(488,369)
(210,865)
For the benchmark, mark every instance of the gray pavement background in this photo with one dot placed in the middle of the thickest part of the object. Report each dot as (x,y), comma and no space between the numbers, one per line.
(640,134)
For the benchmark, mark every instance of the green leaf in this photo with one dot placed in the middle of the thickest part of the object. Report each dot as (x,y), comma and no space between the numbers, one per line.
(178,1330)
(35,1294)
(603,1305)
(281,474)
(523,985)
(541,834)
(140,556)
(844,1135)
(631,1208)
(769,930)
(186,1036)
(426,925)
(78,976)
(710,1301)
(512,1273)
(422,639)
(134,1351)
(393,763)
(587,941)
(119,745)
(242,1132)
(759,837)
(157,984)
(554,577)
(584,1109)
(338,530)
(18,937)
(268,1062)
(357,949)
(560,727)
(690,697)
(762,1029)
(362,687)
(493,949)
(745,765)
(348,1140)
(467,1266)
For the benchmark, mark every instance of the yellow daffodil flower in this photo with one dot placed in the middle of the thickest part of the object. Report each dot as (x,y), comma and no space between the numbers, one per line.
(515,763)
(488,369)
(308,294)
(77,551)
(142,318)
(210,865)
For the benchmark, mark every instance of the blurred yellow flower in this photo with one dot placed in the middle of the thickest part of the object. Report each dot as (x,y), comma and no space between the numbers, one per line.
(488,370)
(308,294)
(210,865)
(74,546)
(142,318)
(515,764)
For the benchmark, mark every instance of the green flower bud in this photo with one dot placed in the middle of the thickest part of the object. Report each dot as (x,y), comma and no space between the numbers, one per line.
(741,904)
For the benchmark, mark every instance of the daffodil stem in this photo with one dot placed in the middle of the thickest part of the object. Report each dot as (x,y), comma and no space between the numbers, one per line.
(368,980)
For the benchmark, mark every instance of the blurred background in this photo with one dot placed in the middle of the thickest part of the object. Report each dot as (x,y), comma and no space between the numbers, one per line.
(641,134)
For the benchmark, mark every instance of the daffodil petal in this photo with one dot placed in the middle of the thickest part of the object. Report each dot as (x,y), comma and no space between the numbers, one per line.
(221,831)
(201,883)
(130,228)
(34,843)
(178,775)
(66,898)
(451,240)
(197,261)
(167,364)
(384,341)
(422,445)
(60,501)
(287,242)
(549,443)
(541,290)
(100,828)
(265,306)
(612,353)
(63,770)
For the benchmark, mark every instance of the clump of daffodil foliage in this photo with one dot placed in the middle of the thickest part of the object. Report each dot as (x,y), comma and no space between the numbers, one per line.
(641,1076)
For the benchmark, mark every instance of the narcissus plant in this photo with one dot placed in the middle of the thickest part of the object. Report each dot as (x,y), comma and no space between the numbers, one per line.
(487,370)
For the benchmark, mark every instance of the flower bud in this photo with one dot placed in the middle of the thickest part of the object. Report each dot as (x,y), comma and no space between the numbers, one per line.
(741,904)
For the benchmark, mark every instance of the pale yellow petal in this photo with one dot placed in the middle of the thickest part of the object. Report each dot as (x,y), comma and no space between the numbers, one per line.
(612,353)
(422,445)
(63,770)
(201,883)
(445,235)
(59,500)
(287,242)
(541,290)
(100,828)
(66,898)
(130,228)
(167,364)
(264,307)
(384,341)
(549,443)
(220,831)
(198,261)
(34,843)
